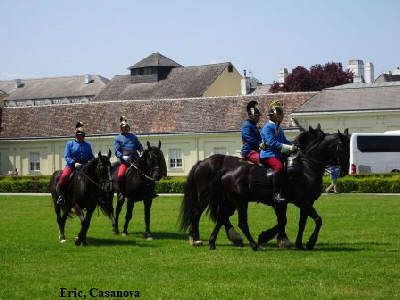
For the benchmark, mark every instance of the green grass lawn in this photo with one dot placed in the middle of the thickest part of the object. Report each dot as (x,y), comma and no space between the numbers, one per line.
(357,255)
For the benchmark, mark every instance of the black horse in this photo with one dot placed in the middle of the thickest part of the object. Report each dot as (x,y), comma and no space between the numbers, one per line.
(234,185)
(140,180)
(86,188)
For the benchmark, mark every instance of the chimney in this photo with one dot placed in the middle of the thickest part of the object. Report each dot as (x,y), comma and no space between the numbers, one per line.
(18,83)
(245,84)
(88,78)
(397,71)
(283,73)
(369,72)
(357,66)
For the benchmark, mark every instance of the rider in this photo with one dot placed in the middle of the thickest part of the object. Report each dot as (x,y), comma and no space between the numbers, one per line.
(276,144)
(127,149)
(251,137)
(77,153)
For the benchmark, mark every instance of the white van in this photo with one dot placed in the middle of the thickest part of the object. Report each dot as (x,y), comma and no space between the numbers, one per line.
(375,152)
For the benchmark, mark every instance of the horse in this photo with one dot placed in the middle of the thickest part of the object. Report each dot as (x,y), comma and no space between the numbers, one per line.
(233,186)
(86,188)
(140,180)
(197,194)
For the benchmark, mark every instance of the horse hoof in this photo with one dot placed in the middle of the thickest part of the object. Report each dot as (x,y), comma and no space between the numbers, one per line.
(299,247)
(77,242)
(310,246)
(211,247)
(148,237)
(63,240)
(285,243)
(115,231)
(125,234)
(195,243)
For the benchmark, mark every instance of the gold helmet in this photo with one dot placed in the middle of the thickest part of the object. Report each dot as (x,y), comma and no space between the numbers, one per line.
(123,122)
(252,109)
(275,108)
(79,129)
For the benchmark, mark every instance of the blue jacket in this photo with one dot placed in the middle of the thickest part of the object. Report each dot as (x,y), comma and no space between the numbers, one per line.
(274,136)
(251,137)
(77,152)
(334,172)
(127,142)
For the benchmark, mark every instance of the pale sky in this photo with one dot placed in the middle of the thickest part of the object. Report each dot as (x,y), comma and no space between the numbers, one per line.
(76,37)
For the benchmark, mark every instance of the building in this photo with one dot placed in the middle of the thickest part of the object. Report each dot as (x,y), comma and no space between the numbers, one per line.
(53,90)
(360,107)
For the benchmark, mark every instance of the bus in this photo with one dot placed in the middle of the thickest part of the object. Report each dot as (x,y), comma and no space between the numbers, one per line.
(375,152)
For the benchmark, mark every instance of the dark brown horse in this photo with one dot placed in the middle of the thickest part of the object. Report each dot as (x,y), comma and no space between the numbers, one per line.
(86,188)
(140,185)
(234,185)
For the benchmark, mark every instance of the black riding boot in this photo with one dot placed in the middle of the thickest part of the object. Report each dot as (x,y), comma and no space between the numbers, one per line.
(277,188)
(121,186)
(61,191)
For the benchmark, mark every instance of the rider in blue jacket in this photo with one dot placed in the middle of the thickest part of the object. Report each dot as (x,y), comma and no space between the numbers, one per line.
(251,137)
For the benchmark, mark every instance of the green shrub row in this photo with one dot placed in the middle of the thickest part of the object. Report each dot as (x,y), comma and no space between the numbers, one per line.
(353,183)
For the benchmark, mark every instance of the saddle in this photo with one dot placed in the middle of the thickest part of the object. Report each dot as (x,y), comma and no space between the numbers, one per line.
(264,175)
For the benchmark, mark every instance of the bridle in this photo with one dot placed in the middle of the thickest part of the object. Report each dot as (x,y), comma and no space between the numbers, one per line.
(104,184)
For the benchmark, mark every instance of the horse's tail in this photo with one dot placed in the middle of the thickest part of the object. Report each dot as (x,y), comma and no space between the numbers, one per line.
(190,199)
(215,197)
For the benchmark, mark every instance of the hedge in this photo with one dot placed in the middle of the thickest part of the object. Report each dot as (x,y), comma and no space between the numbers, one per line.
(360,183)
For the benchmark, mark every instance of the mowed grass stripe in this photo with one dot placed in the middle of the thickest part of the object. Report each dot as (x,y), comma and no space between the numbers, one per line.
(356,257)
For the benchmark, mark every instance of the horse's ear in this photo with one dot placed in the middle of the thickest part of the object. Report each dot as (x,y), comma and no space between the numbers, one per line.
(109,153)
(346,132)
(318,126)
(148,145)
(159,144)
(99,154)
(310,129)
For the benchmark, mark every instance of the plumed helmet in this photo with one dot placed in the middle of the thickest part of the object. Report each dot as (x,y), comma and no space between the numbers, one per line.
(79,129)
(275,108)
(252,109)
(123,122)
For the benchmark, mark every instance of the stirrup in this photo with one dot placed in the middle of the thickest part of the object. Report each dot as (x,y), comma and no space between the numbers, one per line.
(61,200)
(279,198)
(120,196)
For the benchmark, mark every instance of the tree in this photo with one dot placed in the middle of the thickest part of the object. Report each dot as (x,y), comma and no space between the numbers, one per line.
(316,79)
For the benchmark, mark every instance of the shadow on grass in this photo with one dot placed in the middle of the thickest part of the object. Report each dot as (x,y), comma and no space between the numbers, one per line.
(119,242)
(162,235)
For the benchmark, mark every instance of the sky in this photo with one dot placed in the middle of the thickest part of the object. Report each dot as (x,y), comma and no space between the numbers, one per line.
(76,37)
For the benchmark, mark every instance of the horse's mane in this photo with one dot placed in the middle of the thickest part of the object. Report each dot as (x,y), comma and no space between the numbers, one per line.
(306,140)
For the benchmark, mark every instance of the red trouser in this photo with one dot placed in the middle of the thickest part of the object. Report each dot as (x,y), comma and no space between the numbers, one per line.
(253,156)
(274,162)
(64,175)
(121,170)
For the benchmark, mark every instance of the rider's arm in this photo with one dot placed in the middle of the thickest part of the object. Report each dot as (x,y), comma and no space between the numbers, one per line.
(68,153)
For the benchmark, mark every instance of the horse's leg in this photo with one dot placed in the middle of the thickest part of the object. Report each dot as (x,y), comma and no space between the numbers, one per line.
(214,234)
(318,224)
(283,240)
(244,226)
(129,213)
(147,206)
(81,217)
(117,212)
(110,213)
(194,231)
(61,223)
(231,233)
(81,238)
(302,225)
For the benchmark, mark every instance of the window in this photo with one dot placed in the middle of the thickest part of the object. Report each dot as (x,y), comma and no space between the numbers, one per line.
(378,143)
(34,162)
(220,150)
(175,158)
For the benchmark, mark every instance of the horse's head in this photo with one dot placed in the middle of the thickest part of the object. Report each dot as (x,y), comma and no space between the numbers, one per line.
(337,151)
(306,139)
(103,170)
(155,161)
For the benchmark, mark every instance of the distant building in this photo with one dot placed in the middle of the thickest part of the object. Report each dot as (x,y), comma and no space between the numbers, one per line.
(389,76)
(52,90)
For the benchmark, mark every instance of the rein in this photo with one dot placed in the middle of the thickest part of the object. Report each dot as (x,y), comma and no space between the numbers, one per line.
(141,173)
(106,185)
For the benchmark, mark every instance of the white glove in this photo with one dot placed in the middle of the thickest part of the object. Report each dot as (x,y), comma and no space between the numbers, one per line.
(78,165)
(288,148)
